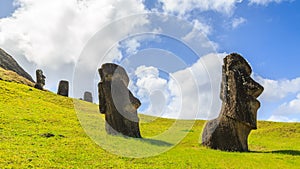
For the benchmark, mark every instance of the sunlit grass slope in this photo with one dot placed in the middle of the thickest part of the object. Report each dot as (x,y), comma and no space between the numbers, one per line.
(39,129)
(11,76)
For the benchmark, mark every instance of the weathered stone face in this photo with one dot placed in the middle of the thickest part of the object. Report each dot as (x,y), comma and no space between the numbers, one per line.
(40,79)
(63,88)
(117,102)
(88,97)
(237,118)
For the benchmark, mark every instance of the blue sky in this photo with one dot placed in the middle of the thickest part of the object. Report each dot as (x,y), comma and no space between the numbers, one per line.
(6,8)
(265,32)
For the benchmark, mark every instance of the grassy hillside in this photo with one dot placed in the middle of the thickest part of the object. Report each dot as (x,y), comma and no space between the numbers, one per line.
(11,76)
(39,129)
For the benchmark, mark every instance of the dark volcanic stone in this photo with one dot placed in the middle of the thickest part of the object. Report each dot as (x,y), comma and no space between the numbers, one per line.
(229,132)
(7,62)
(63,88)
(40,80)
(88,97)
(117,102)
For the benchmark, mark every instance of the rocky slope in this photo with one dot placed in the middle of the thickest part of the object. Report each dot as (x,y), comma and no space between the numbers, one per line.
(7,62)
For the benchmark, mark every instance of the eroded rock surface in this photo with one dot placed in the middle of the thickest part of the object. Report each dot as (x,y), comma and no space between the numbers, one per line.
(117,102)
(7,62)
(63,88)
(229,132)
(40,80)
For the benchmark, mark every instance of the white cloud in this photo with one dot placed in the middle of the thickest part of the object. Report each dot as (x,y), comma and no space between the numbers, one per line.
(238,21)
(278,89)
(53,32)
(194,92)
(187,94)
(50,34)
(156,92)
(266,2)
(279,118)
(207,72)
(289,108)
(132,46)
(277,94)
(182,7)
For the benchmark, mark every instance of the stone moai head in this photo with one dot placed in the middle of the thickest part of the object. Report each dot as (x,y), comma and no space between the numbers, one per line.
(63,88)
(111,72)
(117,102)
(239,91)
(87,96)
(40,79)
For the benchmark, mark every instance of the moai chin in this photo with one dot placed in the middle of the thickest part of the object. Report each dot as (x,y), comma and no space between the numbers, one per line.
(40,80)
(239,92)
(63,88)
(87,96)
(117,102)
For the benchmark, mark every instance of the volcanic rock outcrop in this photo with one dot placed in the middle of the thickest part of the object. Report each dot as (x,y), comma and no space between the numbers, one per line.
(87,96)
(229,132)
(117,102)
(40,79)
(7,62)
(63,88)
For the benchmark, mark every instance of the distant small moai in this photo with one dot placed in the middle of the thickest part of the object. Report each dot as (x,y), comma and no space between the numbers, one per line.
(40,80)
(63,88)
(239,92)
(88,97)
(117,102)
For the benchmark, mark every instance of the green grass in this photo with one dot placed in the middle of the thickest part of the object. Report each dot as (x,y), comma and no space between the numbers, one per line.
(26,114)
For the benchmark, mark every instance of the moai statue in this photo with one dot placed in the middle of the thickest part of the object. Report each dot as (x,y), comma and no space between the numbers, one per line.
(88,97)
(117,102)
(239,92)
(40,79)
(63,88)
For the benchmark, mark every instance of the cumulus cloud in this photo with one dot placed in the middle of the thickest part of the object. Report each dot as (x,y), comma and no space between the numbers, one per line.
(198,36)
(156,92)
(283,96)
(278,89)
(266,2)
(279,118)
(182,7)
(237,22)
(50,38)
(189,93)
(290,108)
(51,34)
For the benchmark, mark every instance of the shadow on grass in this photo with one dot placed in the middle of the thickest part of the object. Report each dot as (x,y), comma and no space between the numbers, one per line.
(155,142)
(286,152)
